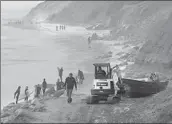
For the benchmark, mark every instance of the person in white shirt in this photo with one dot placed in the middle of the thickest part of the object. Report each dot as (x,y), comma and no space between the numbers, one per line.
(117,70)
(115,79)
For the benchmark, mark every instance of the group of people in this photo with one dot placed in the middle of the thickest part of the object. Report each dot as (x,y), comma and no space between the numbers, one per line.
(38,89)
(15,22)
(69,84)
(70,81)
(61,27)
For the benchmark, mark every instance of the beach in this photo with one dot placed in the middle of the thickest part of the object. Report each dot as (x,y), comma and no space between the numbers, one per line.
(28,56)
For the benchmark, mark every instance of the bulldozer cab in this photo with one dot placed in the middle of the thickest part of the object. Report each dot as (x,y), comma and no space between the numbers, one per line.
(102,71)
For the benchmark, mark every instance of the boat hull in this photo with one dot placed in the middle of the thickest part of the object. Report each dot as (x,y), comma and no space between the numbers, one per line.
(143,88)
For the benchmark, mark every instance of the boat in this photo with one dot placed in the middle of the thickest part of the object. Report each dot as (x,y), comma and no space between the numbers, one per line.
(138,88)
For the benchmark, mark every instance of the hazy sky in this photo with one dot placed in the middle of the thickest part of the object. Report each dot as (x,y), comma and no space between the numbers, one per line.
(16,9)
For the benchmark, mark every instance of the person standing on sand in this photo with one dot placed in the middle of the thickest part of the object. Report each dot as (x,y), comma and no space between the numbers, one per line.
(58,84)
(37,91)
(44,86)
(60,73)
(80,76)
(69,84)
(17,94)
(26,94)
(35,94)
(117,70)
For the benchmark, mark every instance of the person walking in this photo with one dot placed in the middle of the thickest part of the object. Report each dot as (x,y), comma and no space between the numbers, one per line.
(44,86)
(26,93)
(17,94)
(80,76)
(69,84)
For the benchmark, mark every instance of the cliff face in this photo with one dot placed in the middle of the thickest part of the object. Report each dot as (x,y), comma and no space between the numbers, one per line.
(134,21)
(148,23)
(141,22)
(76,11)
(159,47)
(44,9)
(82,12)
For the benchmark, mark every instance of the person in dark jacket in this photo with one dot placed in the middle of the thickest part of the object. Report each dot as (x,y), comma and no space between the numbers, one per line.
(69,84)
(16,94)
(101,72)
(44,86)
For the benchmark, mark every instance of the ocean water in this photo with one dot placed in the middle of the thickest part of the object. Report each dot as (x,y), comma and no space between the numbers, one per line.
(28,56)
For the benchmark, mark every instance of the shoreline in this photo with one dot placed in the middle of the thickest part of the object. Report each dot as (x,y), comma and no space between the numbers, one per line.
(19,27)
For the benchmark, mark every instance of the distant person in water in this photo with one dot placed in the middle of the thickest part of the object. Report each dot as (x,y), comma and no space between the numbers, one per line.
(64,27)
(44,86)
(69,84)
(26,93)
(56,28)
(89,42)
(60,70)
(17,94)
